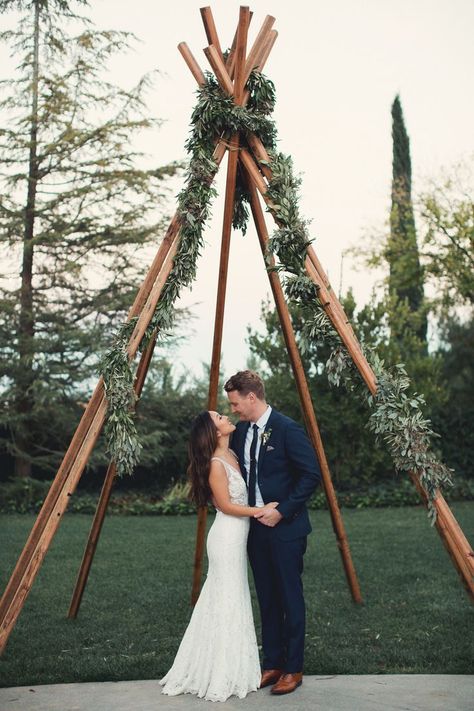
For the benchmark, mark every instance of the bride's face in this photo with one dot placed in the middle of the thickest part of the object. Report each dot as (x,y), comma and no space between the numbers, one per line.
(223,425)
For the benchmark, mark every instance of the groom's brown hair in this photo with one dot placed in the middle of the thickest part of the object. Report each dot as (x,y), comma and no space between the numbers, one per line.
(245,382)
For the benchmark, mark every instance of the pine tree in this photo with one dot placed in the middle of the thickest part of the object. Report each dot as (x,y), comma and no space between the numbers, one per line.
(76,205)
(408,322)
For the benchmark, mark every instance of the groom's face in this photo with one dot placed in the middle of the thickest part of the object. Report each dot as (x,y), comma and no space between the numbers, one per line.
(242,405)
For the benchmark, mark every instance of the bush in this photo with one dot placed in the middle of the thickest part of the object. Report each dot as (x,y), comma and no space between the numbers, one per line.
(27,495)
(23,495)
(396,492)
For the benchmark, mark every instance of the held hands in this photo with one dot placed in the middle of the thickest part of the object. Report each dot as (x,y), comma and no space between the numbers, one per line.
(268,515)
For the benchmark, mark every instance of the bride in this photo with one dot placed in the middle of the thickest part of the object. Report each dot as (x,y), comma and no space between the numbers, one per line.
(218,655)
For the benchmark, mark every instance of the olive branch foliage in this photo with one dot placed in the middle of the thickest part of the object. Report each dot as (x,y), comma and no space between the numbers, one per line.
(215,116)
(397,413)
(396,417)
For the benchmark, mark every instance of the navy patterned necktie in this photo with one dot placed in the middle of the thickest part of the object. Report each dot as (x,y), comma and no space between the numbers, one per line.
(253,467)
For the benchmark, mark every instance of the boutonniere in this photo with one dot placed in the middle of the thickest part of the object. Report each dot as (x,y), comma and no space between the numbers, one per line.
(265,436)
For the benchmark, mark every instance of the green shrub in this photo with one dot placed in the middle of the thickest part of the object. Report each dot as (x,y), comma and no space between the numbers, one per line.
(396,492)
(27,495)
(23,495)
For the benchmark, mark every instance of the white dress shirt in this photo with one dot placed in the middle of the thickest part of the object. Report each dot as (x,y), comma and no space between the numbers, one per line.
(261,423)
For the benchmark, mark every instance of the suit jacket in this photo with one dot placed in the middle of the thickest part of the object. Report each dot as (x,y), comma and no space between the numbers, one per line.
(288,471)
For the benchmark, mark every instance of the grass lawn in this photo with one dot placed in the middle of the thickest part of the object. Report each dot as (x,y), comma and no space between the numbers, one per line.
(417,618)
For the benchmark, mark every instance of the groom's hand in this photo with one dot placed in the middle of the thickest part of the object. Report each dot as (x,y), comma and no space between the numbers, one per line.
(269,516)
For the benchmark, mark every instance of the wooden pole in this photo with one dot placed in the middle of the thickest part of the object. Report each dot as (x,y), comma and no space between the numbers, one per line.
(255,55)
(237,90)
(240,53)
(104,498)
(305,400)
(223,71)
(448,516)
(262,55)
(210,29)
(327,297)
(57,499)
(31,563)
(80,435)
(270,41)
(216,346)
(223,270)
(219,69)
(329,301)
(81,445)
(447,527)
(452,536)
(190,60)
(263,160)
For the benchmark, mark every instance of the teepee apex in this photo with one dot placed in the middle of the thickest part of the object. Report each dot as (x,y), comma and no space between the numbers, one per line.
(232,72)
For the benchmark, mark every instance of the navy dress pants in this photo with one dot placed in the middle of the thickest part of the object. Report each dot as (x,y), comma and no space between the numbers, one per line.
(277,567)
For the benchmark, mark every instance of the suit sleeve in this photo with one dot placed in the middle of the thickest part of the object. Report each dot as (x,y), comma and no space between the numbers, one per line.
(305,468)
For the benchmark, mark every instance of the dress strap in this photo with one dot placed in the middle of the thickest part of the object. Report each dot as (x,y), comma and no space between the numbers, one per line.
(219,459)
(228,467)
(222,461)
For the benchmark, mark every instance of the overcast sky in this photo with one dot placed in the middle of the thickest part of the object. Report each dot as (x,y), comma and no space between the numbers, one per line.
(337,67)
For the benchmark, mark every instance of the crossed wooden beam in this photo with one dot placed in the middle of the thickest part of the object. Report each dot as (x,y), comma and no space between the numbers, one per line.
(249,154)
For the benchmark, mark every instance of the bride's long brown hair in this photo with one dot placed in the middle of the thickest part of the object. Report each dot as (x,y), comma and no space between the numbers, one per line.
(201,447)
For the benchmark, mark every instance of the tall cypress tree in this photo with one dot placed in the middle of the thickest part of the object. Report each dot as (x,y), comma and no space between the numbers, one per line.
(408,316)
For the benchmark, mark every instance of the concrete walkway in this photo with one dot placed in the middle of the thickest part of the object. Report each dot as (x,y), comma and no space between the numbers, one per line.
(398,692)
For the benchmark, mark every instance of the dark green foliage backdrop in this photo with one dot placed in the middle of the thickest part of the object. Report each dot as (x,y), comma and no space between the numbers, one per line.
(453,416)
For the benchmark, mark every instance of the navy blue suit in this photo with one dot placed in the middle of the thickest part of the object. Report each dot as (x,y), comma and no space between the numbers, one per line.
(288,472)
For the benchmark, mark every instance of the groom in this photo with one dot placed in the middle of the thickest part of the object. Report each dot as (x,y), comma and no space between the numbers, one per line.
(279,464)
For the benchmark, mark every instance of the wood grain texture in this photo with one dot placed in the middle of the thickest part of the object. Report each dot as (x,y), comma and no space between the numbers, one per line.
(305,398)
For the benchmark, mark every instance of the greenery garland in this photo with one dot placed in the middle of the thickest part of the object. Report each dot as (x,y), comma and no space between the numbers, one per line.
(215,115)
(396,415)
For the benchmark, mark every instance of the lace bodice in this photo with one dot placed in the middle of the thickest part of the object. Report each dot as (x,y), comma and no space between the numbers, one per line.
(237,487)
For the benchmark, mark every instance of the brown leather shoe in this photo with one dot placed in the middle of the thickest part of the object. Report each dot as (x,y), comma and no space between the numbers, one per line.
(287,683)
(270,676)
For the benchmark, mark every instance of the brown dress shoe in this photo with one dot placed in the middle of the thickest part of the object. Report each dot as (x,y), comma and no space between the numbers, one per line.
(287,683)
(270,676)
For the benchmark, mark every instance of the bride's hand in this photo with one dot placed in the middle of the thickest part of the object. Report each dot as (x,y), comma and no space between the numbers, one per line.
(269,514)
(264,509)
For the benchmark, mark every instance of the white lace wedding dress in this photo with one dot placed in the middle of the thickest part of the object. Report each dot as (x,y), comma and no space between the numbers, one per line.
(218,655)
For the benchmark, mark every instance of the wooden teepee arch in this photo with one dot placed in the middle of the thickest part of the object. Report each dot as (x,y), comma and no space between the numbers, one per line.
(232,74)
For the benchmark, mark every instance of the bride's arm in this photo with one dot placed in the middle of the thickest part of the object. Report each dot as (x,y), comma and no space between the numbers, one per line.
(220,494)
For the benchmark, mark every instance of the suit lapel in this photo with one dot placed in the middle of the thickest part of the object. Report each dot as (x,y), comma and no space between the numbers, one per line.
(265,440)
